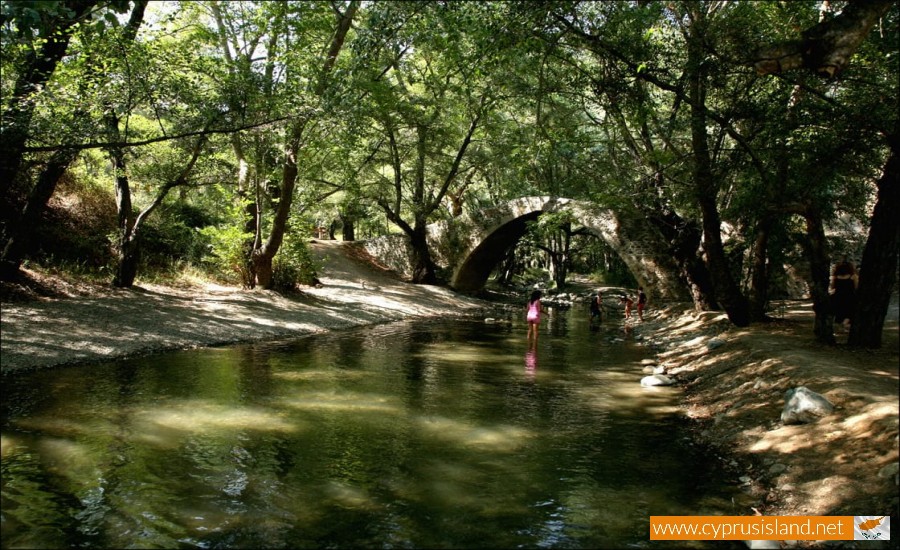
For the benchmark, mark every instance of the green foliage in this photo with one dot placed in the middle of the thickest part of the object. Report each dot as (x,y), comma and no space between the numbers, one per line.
(227,257)
(533,276)
(294,265)
(175,236)
(601,116)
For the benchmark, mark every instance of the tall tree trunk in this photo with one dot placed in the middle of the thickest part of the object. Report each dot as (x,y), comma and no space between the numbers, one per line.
(127,245)
(759,279)
(423,271)
(263,256)
(245,196)
(726,290)
(816,246)
(878,271)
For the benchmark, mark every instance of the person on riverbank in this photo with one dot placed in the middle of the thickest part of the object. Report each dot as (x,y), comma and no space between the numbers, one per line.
(597,307)
(843,292)
(642,302)
(625,299)
(533,316)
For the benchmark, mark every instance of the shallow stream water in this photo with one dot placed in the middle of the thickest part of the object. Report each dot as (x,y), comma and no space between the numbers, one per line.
(417,434)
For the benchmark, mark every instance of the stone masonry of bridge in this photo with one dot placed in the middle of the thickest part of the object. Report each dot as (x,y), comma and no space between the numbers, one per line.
(471,245)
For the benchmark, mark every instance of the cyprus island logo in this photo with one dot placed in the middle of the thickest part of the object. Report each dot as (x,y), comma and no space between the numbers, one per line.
(871,527)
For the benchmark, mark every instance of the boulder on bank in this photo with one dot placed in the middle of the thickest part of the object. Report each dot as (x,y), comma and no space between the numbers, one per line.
(656,380)
(802,406)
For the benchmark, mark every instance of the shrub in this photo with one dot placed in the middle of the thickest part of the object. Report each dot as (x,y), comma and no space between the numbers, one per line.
(293,265)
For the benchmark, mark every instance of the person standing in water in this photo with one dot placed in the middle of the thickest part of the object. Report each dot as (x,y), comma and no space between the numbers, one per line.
(533,315)
(642,303)
(628,302)
(597,307)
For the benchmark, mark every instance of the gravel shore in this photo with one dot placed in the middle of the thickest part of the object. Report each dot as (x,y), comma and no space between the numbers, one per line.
(152,318)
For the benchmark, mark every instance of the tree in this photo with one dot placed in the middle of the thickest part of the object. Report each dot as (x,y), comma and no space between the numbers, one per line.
(827,49)
(36,40)
(554,234)
(693,86)
(263,253)
(423,115)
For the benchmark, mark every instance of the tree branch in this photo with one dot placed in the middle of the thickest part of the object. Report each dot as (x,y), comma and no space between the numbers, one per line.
(126,144)
(827,47)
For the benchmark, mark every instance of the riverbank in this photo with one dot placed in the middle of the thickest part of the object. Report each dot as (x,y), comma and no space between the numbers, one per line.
(733,379)
(87,324)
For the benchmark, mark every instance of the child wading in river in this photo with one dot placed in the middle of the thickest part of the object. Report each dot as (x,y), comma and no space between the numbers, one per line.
(642,302)
(628,303)
(597,307)
(533,315)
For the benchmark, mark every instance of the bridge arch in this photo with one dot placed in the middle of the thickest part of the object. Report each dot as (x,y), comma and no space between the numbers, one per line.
(471,245)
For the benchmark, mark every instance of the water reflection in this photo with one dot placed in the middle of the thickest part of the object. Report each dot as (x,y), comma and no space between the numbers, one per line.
(531,361)
(409,434)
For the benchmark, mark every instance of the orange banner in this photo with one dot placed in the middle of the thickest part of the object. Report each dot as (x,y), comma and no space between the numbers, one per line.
(751,527)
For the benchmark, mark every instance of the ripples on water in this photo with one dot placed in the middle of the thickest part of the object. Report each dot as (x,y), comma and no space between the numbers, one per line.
(412,434)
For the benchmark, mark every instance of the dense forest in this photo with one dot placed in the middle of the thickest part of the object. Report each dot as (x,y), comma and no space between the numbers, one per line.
(760,138)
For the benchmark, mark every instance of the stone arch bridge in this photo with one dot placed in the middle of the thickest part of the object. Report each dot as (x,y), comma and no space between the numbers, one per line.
(471,245)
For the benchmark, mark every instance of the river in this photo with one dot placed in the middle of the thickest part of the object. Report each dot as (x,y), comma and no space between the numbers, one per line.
(415,434)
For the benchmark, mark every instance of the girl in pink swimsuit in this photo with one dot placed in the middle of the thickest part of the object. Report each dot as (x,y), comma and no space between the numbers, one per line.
(533,315)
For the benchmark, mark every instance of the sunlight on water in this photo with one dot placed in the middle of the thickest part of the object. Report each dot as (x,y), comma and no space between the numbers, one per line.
(346,402)
(496,438)
(312,375)
(464,354)
(199,416)
(411,434)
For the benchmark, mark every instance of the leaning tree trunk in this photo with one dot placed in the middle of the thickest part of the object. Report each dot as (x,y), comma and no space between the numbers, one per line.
(19,233)
(878,271)
(37,69)
(816,247)
(684,243)
(18,111)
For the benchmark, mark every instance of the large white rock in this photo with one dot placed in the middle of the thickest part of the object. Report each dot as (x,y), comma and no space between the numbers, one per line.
(802,406)
(656,380)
